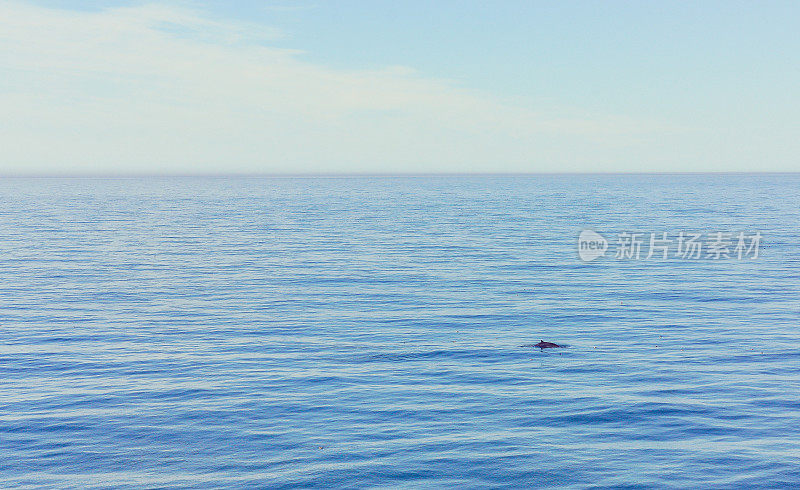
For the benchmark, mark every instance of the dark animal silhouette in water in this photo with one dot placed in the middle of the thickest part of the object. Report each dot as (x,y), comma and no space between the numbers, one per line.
(546,345)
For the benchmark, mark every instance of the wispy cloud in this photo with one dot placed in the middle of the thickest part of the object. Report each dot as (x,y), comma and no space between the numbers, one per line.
(158,88)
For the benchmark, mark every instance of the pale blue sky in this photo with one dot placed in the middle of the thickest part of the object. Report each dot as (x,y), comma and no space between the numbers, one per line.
(387,86)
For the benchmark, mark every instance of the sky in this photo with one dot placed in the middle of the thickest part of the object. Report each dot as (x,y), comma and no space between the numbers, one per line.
(265,87)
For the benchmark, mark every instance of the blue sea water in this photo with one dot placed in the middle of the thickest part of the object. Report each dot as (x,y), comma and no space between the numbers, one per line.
(368,332)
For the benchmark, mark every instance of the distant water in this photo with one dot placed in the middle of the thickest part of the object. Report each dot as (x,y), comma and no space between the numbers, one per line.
(351,332)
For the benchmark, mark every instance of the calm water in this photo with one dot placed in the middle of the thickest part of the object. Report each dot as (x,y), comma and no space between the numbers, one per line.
(349,332)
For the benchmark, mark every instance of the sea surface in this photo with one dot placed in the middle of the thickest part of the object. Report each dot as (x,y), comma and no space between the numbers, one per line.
(371,332)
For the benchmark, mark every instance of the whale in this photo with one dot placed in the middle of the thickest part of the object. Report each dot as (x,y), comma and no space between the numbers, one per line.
(544,345)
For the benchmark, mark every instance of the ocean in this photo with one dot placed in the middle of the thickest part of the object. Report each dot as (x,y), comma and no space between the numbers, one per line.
(376,331)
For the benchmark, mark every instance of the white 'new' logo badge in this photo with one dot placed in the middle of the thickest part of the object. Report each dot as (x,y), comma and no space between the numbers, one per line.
(591,245)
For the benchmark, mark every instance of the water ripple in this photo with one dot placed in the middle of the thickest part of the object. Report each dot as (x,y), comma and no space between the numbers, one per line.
(363,332)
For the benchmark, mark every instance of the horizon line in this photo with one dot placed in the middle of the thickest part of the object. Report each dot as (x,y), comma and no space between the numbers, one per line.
(133,175)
